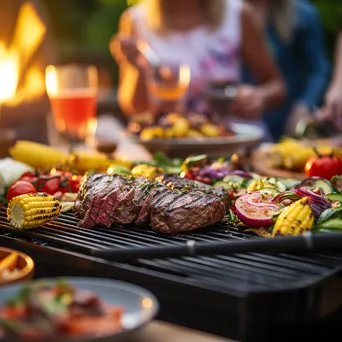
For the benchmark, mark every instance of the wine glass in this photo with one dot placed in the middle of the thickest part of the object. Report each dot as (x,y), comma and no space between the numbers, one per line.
(72,91)
(167,87)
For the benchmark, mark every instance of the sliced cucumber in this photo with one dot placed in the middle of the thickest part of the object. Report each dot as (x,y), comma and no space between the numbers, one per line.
(334,197)
(225,185)
(237,180)
(289,182)
(318,183)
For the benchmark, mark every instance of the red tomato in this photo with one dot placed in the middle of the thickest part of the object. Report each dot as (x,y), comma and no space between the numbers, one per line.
(28,177)
(20,188)
(323,166)
(75,182)
(51,186)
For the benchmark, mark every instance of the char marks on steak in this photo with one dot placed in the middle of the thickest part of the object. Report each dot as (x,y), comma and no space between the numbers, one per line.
(107,200)
(186,211)
(90,187)
(179,183)
(94,204)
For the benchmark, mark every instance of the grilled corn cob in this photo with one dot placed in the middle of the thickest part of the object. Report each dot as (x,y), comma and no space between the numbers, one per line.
(295,219)
(144,170)
(32,210)
(37,155)
(85,161)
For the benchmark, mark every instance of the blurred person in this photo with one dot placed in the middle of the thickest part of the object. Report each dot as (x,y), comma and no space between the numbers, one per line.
(294,33)
(212,37)
(333,99)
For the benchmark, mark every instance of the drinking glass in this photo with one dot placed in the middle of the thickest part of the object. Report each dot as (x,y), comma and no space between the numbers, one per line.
(72,91)
(167,86)
(220,95)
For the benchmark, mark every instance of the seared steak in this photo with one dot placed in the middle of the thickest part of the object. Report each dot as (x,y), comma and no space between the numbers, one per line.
(175,212)
(176,182)
(109,200)
(184,206)
(96,203)
(90,187)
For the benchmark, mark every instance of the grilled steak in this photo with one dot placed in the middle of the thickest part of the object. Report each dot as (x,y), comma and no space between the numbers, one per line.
(109,185)
(107,200)
(175,212)
(89,188)
(176,182)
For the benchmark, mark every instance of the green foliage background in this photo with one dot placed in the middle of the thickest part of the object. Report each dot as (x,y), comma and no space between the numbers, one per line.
(86,26)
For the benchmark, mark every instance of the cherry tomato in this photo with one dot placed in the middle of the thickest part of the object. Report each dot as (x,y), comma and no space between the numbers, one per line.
(75,182)
(52,186)
(20,188)
(323,166)
(28,177)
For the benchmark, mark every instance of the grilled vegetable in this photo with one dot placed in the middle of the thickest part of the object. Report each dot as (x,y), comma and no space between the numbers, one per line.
(313,183)
(37,155)
(210,130)
(32,210)
(181,128)
(266,183)
(144,170)
(85,161)
(256,210)
(150,133)
(296,161)
(295,219)
(20,188)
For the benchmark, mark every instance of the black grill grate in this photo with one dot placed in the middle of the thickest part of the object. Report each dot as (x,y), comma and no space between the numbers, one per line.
(242,273)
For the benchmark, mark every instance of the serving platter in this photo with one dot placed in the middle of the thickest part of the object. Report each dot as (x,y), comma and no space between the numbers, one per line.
(246,136)
(260,165)
(139,305)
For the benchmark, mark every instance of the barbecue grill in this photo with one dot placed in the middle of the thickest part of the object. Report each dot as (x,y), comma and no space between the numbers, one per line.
(244,294)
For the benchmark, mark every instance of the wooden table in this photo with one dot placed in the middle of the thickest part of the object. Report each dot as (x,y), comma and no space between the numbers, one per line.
(164,332)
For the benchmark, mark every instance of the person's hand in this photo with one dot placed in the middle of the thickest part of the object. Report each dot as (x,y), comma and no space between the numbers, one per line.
(299,112)
(125,49)
(332,109)
(249,103)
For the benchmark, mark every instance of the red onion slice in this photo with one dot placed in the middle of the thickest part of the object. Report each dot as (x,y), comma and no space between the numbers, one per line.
(317,203)
(256,214)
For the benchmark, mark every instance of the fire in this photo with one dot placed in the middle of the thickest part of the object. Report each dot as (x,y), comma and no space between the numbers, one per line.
(8,74)
(28,36)
(51,80)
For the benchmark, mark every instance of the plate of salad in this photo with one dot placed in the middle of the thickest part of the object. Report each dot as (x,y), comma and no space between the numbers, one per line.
(73,309)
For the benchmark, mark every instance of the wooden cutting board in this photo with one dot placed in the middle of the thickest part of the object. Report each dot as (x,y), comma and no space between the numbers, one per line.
(260,165)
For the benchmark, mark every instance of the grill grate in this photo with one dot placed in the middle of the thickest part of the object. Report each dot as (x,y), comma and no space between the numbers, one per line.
(245,273)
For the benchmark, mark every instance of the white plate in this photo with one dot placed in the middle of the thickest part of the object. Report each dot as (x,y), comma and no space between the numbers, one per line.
(214,147)
(139,305)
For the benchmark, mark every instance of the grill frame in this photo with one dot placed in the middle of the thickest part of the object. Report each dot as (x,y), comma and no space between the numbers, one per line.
(301,301)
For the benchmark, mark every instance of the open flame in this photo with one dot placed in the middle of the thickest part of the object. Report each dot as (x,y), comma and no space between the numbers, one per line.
(28,36)
(9,65)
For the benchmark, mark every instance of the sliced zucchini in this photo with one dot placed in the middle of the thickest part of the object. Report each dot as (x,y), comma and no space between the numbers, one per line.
(334,197)
(318,183)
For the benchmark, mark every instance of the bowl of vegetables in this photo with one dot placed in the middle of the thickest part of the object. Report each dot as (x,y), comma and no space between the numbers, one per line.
(15,266)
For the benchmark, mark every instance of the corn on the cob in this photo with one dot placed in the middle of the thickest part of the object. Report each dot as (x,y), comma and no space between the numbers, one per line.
(150,172)
(295,219)
(85,161)
(37,155)
(32,210)
(298,158)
